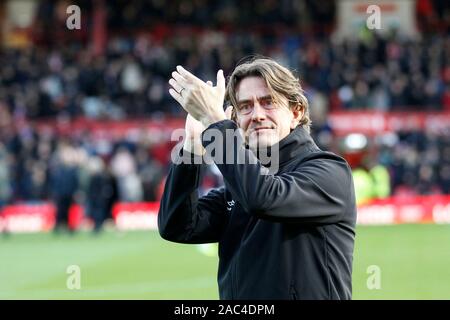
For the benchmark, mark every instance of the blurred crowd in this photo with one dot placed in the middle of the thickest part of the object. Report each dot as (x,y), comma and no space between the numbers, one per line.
(402,164)
(95,173)
(381,73)
(419,163)
(36,166)
(386,73)
(370,71)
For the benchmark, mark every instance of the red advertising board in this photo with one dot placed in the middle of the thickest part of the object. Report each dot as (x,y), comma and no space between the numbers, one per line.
(35,217)
(372,122)
(397,210)
(144,215)
(136,216)
(342,123)
(28,217)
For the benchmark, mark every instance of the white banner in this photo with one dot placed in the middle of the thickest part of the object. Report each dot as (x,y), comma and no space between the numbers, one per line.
(377,15)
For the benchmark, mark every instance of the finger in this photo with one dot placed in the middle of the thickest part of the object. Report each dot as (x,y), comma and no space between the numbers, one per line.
(220,80)
(187,75)
(175,85)
(176,96)
(209,83)
(229,112)
(180,79)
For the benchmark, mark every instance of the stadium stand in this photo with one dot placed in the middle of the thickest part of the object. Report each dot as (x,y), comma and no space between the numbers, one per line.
(122,75)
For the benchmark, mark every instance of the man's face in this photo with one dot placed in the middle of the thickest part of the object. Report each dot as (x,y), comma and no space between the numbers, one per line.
(263,121)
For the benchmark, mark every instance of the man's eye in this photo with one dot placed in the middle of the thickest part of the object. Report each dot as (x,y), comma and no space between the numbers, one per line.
(266,102)
(244,107)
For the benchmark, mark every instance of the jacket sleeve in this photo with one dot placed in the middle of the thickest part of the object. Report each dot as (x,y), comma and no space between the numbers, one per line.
(318,191)
(184,217)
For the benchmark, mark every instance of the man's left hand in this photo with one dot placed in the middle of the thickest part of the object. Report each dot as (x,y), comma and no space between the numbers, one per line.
(202,101)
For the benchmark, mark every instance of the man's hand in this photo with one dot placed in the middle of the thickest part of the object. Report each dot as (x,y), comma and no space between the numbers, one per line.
(229,112)
(194,129)
(202,101)
(192,142)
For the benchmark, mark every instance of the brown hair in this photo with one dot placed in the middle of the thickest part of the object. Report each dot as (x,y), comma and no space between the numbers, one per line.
(279,81)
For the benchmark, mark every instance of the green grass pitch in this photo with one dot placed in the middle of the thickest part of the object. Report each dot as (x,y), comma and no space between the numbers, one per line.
(414,261)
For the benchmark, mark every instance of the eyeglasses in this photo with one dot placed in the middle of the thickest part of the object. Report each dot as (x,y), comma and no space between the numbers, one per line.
(246,107)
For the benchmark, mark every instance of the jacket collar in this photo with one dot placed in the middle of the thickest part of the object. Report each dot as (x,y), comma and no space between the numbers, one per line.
(295,144)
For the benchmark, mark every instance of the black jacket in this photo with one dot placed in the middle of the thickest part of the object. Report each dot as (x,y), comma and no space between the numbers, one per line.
(284,236)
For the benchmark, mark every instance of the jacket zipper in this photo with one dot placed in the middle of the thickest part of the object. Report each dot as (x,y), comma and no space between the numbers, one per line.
(293,292)
(234,279)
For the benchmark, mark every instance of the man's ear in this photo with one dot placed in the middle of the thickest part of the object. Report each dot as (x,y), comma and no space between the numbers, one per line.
(298,113)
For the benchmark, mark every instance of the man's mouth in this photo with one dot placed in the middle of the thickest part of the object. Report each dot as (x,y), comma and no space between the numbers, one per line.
(259,129)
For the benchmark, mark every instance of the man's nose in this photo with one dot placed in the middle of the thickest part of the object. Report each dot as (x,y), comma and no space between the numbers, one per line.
(258,112)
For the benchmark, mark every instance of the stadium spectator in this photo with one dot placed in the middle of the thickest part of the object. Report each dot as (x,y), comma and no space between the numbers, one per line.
(5,183)
(64,180)
(101,192)
(123,166)
(371,180)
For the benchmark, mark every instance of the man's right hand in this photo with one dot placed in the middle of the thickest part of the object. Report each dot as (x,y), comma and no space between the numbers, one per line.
(193,142)
(194,129)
